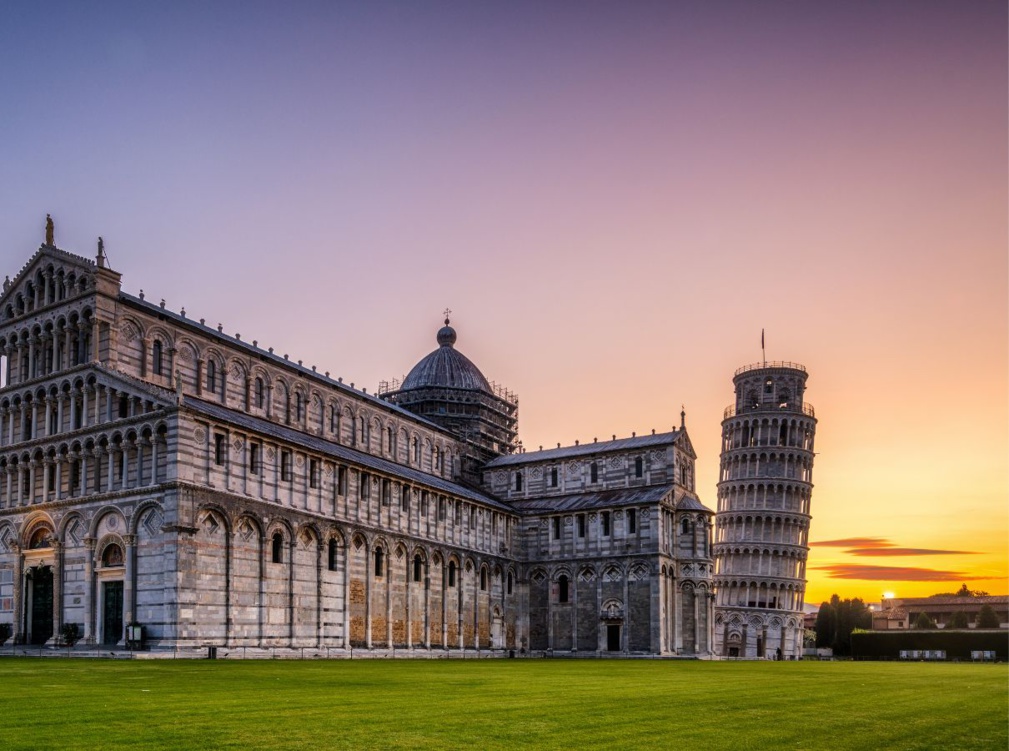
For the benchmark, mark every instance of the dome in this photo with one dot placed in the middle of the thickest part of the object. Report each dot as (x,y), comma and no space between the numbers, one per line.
(446,367)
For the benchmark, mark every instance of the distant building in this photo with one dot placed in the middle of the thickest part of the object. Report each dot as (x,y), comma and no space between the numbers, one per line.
(901,612)
(155,470)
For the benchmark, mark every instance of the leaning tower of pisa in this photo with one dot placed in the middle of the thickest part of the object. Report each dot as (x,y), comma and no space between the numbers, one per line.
(762,524)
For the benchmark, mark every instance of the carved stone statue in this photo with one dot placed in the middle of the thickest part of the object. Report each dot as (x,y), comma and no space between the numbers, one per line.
(50,230)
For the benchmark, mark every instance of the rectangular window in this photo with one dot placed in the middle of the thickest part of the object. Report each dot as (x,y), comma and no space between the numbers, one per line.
(423,503)
(386,492)
(404,498)
(218,448)
(604,518)
(581,525)
(253,458)
(285,465)
(313,473)
(441,509)
(553,477)
(341,480)
(639,467)
(124,407)
(557,527)
(632,520)
(594,472)
(365,488)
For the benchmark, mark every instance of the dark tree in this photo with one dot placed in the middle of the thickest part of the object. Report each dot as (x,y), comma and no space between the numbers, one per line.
(837,619)
(959,620)
(923,621)
(986,617)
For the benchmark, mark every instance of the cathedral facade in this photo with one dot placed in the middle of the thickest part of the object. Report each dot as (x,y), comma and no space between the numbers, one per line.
(159,474)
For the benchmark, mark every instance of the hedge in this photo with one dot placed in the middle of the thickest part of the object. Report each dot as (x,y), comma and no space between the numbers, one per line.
(958,644)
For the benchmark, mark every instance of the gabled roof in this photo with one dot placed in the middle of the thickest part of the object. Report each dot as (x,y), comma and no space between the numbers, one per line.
(594,499)
(586,449)
(329,448)
(38,259)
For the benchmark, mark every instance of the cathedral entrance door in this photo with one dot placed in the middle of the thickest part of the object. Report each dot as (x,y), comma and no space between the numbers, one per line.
(613,637)
(496,631)
(112,612)
(41,610)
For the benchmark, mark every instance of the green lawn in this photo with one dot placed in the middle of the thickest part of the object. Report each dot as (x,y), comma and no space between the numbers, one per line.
(489,704)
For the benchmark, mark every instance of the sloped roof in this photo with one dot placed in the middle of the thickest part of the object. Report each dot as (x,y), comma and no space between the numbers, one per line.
(585,449)
(329,448)
(596,499)
(689,503)
(266,356)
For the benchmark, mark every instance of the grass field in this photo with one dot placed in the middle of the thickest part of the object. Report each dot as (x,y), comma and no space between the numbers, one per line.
(496,704)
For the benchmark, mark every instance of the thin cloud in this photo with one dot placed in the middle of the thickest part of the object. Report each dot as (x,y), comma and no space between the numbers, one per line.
(856,542)
(892,573)
(906,551)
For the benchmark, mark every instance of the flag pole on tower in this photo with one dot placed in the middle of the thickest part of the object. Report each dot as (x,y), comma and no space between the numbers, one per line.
(763,354)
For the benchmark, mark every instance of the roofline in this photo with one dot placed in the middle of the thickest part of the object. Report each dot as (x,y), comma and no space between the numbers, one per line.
(604,447)
(265,355)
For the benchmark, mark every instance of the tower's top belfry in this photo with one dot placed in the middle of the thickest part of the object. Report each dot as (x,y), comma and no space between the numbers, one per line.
(770,387)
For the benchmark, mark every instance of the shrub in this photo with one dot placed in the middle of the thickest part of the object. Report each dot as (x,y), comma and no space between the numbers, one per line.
(69,634)
(986,617)
(959,620)
(923,621)
(5,632)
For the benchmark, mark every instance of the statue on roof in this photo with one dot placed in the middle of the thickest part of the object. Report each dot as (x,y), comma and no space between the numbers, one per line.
(50,231)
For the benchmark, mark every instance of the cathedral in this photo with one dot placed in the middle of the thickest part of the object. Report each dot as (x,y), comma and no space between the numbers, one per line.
(163,480)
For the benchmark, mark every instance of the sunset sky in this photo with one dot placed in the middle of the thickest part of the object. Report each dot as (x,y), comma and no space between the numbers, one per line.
(613,199)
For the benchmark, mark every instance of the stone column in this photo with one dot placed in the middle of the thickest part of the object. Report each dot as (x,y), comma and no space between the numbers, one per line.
(46,464)
(57,588)
(59,478)
(346,593)
(18,636)
(89,590)
(129,580)
(318,592)
(124,453)
(154,460)
(111,469)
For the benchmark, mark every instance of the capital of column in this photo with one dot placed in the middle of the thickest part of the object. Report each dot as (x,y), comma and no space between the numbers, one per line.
(89,543)
(130,540)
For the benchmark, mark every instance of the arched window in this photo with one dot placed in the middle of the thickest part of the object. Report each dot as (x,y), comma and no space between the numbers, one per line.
(112,556)
(562,588)
(211,376)
(41,538)
(418,568)
(379,561)
(260,393)
(685,527)
(483,580)
(451,573)
(333,554)
(297,407)
(509,582)
(278,547)
(156,357)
